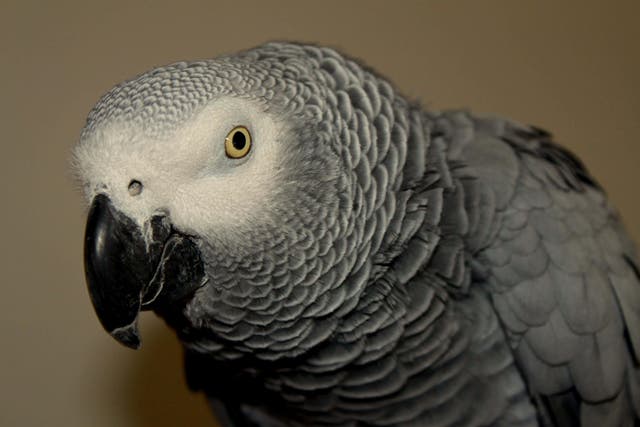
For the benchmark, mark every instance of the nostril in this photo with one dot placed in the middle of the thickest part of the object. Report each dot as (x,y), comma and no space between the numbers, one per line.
(135,187)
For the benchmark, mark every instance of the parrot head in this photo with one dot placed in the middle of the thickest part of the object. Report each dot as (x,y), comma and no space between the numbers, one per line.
(226,192)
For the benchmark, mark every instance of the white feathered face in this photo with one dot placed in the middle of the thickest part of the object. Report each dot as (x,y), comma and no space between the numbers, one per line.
(230,197)
(222,191)
(214,175)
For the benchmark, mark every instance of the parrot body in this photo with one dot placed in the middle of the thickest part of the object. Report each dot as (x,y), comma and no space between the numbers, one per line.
(355,260)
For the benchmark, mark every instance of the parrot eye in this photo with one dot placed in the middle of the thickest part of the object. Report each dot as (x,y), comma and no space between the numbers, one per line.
(238,142)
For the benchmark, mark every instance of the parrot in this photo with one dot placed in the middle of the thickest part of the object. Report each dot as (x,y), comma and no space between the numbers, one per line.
(329,252)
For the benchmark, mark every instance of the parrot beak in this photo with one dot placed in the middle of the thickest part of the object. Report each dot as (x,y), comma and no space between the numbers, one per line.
(126,273)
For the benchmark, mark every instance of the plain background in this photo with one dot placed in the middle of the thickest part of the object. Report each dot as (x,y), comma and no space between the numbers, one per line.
(571,67)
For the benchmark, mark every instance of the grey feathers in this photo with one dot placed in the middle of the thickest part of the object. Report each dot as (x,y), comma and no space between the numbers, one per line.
(405,267)
(554,280)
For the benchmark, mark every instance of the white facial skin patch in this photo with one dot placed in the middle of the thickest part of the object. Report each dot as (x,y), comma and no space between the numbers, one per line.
(187,173)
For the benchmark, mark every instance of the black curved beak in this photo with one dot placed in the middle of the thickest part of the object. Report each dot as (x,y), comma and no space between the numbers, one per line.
(126,273)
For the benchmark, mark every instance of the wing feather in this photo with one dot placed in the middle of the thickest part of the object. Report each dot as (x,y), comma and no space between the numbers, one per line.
(562,274)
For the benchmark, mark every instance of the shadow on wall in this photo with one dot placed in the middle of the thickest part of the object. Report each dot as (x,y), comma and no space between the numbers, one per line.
(159,394)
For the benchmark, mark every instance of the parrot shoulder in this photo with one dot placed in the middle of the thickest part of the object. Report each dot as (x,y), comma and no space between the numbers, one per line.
(546,245)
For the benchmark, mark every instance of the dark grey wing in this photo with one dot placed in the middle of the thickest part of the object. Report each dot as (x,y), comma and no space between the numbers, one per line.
(561,270)
(232,397)
(229,414)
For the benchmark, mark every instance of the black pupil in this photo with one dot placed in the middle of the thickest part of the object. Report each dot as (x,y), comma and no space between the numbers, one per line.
(239,140)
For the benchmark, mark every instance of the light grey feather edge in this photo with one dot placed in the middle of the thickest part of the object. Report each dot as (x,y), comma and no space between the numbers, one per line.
(560,270)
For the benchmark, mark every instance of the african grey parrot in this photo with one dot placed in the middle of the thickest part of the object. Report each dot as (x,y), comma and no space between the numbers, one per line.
(331,254)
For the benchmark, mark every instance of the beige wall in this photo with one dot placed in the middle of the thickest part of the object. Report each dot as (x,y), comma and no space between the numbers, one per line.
(572,67)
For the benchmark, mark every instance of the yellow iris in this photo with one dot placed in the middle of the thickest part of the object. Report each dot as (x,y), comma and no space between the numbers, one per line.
(237,144)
